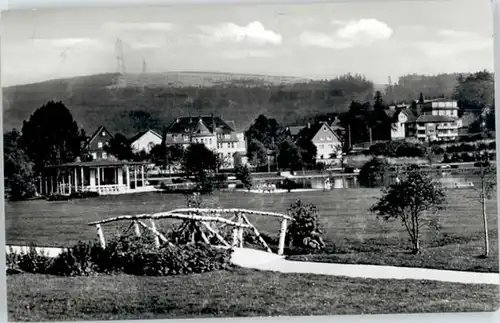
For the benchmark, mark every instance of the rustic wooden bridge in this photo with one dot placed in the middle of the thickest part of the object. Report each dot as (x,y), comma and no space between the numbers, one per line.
(203,222)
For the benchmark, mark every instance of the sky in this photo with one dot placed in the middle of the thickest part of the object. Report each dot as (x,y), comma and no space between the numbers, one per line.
(322,40)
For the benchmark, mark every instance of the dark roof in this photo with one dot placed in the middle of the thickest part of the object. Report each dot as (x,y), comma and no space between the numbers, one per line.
(100,129)
(231,124)
(394,113)
(411,117)
(294,130)
(193,125)
(100,163)
(432,118)
(391,113)
(309,132)
(142,133)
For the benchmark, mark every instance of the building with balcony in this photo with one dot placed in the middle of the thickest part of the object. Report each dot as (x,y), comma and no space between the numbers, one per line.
(215,133)
(436,128)
(438,121)
(440,107)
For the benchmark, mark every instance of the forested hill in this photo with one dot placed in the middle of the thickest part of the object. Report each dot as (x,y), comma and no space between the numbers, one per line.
(134,103)
(409,87)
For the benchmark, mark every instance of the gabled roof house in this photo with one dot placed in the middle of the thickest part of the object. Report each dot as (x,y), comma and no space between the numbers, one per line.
(97,143)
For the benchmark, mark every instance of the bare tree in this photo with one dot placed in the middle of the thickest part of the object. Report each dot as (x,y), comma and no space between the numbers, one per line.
(488,181)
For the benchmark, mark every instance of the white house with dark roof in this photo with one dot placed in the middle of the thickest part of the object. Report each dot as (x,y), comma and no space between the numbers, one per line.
(215,133)
(145,140)
(400,118)
(328,144)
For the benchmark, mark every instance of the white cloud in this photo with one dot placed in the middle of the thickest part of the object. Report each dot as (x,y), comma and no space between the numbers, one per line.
(348,34)
(254,32)
(138,26)
(371,29)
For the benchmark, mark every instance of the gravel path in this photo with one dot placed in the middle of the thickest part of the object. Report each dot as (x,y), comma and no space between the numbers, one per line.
(261,260)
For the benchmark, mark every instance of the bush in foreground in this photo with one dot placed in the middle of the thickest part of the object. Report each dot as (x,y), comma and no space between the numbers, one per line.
(128,254)
(304,230)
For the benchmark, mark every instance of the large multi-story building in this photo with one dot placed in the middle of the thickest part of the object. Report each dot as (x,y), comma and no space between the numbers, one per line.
(215,133)
(439,121)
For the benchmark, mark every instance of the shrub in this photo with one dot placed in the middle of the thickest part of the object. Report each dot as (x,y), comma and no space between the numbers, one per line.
(289,184)
(374,173)
(304,231)
(79,260)
(397,149)
(127,254)
(32,261)
(320,166)
(83,195)
(58,197)
(219,180)
(244,175)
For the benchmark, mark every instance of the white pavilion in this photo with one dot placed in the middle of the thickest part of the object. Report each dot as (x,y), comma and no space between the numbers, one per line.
(105,177)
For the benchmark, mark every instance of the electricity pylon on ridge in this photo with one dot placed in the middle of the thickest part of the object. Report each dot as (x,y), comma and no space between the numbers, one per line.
(120,64)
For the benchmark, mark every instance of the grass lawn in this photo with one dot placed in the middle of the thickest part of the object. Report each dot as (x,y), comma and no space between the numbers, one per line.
(358,236)
(238,292)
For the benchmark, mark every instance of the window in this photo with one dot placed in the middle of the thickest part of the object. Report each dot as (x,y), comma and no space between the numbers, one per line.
(94,156)
(210,140)
(103,134)
(322,138)
(321,146)
(328,138)
(104,155)
(324,129)
(321,156)
(99,144)
(331,146)
(226,136)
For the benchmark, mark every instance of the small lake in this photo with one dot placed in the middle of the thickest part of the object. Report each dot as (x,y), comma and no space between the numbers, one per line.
(446,178)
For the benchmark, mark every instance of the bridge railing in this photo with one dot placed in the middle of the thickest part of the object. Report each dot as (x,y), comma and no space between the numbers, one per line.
(204,218)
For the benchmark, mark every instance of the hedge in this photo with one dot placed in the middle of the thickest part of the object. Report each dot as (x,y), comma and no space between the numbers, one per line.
(128,254)
(397,149)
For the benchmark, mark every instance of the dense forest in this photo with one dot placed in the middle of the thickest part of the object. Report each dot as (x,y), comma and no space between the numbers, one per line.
(128,107)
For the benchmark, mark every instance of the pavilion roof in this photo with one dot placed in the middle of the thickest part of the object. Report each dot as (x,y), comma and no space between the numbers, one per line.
(99,163)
